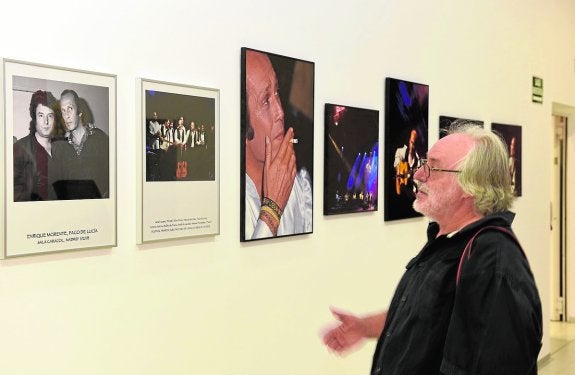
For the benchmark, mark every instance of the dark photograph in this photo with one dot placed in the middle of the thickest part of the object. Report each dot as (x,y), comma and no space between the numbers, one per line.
(511,134)
(277,105)
(351,159)
(406,140)
(446,122)
(180,136)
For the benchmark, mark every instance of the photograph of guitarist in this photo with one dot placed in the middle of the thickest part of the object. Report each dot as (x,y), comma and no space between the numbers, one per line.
(406,162)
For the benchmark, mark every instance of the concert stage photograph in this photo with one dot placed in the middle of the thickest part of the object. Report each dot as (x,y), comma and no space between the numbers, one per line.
(351,159)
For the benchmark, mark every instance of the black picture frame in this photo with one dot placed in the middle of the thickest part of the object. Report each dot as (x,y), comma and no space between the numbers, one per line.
(351,159)
(290,80)
(511,135)
(445,122)
(406,116)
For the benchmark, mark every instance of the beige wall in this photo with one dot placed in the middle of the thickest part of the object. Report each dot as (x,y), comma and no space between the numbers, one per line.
(213,305)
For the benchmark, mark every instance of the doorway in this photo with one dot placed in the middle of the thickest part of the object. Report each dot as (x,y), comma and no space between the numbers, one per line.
(558,228)
(561,210)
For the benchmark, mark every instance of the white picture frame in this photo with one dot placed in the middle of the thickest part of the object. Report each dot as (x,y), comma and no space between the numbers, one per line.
(82,217)
(179,177)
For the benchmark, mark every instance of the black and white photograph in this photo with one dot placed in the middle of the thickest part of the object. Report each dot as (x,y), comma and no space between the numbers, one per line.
(61,142)
(60,155)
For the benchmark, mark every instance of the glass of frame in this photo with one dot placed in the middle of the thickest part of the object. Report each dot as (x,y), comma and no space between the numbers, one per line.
(511,135)
(406,141)
(59,139)
(277,114)
(351,159)
(178,157)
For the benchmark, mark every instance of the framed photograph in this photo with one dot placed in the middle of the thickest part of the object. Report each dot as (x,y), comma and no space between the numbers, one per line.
(178,156)
(511,134)
(445,123)
(59,159)
(406,141)
(277,113)
(351,159)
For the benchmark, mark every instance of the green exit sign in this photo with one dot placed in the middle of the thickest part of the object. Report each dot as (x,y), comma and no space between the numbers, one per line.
(537,90)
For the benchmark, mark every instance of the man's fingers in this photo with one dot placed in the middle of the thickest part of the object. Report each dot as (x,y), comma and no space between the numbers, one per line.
(268,152)
(282,152)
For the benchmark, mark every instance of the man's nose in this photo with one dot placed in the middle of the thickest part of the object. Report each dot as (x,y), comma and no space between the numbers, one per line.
(277,108)
(419,174)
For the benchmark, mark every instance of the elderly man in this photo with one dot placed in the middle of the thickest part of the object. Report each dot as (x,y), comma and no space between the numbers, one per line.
(278,197)
(467,303)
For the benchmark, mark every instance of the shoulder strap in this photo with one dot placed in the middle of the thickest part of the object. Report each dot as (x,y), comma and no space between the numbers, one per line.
(467,251)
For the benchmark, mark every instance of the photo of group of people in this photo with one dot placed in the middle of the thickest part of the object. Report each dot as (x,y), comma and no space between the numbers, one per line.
(180,136)
(179,159)
(60,141)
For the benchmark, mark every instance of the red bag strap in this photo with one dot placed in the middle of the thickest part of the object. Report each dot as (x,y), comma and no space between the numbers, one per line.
(467,250)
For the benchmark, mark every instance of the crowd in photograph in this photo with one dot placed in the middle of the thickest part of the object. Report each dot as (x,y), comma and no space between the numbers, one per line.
(179,152)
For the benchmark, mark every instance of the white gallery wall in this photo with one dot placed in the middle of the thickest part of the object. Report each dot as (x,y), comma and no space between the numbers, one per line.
(212,305)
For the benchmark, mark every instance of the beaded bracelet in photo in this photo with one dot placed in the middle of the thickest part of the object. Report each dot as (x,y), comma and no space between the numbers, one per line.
(273,205)
(270,212)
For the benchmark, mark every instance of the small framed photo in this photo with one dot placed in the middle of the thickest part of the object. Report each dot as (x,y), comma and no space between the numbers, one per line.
(178,157)
(351,159)
(59,159)
(446,122)
(511,135)
(277,117)
(406,141)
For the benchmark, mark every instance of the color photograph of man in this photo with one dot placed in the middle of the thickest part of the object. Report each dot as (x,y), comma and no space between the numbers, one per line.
(277,123)
(406,127)
(512,136)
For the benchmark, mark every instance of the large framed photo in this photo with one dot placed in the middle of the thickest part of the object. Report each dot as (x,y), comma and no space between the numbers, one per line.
(406,141)
(277,114)
(59,159)
(511,135)
(178,156)
(351,159)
